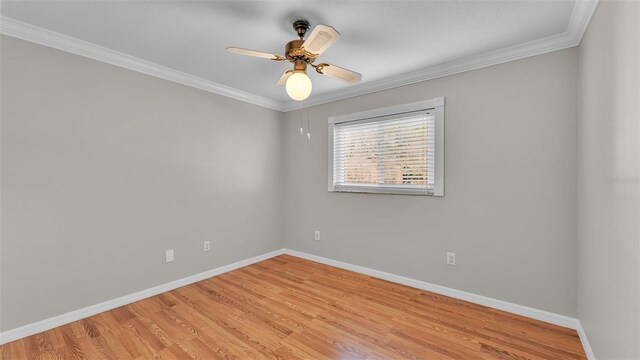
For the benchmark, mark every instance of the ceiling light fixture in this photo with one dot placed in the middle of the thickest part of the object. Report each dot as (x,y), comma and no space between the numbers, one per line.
(301,53)
(298,84)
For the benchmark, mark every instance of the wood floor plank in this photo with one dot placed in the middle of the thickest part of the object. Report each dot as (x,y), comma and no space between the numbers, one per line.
(291,308)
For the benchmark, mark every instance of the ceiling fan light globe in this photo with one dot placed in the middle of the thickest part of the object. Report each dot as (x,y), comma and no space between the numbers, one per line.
(299,86)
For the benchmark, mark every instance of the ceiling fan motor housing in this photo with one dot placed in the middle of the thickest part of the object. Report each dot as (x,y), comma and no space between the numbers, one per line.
(293,50)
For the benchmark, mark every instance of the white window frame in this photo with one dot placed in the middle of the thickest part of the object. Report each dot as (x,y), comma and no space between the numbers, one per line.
(436,105)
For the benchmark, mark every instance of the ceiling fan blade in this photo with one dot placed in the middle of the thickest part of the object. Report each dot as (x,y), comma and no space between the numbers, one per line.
(260,54)
(283,79)
(338,72)
(320,39)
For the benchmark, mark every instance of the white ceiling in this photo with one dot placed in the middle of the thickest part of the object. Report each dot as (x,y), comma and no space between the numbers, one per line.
(389,42)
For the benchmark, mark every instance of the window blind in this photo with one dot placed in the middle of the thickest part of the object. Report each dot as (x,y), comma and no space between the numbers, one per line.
(391,154)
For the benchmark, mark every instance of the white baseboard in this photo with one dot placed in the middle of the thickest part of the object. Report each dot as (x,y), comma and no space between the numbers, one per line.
(43,325)
(585,342)
(50,323)
(541,315)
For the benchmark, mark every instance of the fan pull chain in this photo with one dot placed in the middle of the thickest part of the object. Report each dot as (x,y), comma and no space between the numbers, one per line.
(301,129)
(302,103)
(308,126)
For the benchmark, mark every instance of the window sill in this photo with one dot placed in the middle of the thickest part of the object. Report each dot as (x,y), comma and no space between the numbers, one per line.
(376,191)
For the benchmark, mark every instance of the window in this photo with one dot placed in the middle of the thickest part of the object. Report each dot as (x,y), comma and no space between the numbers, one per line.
(394,150)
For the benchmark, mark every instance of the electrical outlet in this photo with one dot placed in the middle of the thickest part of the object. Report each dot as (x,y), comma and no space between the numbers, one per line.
(207,245)
(168,256)
(451,258)
(316,235)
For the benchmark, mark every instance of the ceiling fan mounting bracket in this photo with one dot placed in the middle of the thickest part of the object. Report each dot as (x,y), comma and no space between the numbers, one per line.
(301,27)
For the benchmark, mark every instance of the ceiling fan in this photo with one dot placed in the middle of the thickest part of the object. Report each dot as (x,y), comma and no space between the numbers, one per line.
(301,53)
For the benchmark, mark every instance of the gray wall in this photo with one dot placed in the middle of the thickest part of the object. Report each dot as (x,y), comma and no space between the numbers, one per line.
(104,168)
(509,210)
(609,220)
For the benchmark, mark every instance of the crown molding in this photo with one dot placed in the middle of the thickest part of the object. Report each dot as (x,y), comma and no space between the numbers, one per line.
(582,12)
(580,18)
(38,35)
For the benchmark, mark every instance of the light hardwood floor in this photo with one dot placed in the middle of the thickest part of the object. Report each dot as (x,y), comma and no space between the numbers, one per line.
(290,308)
